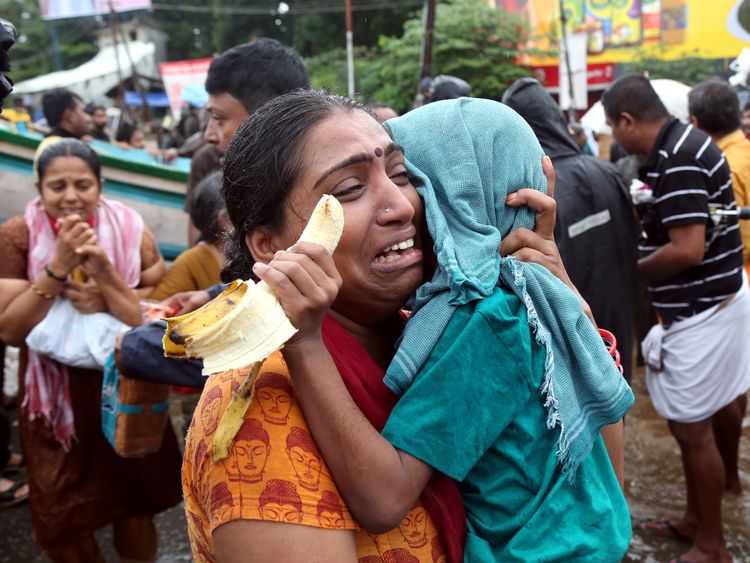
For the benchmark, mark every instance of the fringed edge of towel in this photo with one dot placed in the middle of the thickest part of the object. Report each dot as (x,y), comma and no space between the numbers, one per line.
(547,389)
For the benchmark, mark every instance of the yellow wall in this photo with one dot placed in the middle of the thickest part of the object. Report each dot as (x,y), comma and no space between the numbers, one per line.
(706,30)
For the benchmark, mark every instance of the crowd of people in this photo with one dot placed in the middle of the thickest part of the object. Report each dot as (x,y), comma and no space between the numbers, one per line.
(486,425)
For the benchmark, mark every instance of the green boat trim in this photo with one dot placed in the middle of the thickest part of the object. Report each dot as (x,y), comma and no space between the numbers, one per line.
(111,187)
(155,169)
(146,186)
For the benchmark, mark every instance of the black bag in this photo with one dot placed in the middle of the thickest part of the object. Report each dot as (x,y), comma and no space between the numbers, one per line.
(142,357)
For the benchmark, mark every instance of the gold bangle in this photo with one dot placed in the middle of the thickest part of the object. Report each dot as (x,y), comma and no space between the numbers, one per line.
(40,293)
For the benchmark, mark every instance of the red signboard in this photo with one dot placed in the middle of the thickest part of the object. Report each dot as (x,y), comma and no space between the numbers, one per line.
(599,75)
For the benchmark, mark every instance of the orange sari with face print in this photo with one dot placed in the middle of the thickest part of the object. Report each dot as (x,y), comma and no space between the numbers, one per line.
(275,472)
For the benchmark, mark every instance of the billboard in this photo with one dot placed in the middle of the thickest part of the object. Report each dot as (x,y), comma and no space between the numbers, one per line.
(622,30)
(60,9)
(183,81)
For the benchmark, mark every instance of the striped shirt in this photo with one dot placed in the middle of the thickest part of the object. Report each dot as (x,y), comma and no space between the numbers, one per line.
(687,172)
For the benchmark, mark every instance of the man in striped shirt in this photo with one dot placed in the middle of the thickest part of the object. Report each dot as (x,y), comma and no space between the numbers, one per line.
(697,372)
(715,109)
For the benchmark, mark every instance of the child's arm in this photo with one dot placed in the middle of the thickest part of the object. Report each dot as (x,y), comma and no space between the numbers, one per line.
(379,482)
(614,440)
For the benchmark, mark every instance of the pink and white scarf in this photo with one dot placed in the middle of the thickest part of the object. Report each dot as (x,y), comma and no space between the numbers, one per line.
(119,230)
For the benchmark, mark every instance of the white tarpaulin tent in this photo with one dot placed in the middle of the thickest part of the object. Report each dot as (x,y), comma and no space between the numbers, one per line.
(99,75)
(672,93)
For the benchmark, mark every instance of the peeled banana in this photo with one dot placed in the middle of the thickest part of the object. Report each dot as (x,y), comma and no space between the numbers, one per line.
(246,322)
(244,325)
(325,225)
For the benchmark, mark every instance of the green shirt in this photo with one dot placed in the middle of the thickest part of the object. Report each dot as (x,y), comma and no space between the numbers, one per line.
(475,413)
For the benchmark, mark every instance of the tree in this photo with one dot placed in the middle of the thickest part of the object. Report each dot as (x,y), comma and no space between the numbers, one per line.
(32,54)
(200,27)
(472,41)
(689,69)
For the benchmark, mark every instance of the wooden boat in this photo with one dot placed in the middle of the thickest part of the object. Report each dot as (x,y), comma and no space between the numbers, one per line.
(135,177)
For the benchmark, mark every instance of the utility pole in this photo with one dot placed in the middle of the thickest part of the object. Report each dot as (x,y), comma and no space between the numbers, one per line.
(145,109)
(56,55)
(113,28)
(117,35)
(429,28)
(569,71)
(349,49)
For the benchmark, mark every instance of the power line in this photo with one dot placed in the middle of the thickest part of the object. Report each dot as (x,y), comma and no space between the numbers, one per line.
(48,51)
(295,9)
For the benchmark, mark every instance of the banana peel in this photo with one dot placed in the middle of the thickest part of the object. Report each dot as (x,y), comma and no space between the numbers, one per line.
(196,321)
(232,419)
(244,325)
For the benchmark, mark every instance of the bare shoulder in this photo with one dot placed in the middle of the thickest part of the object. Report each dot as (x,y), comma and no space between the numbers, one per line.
(15,231)
(14,248)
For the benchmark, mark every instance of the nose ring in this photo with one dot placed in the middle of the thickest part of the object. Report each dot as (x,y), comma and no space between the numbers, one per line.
(387,210)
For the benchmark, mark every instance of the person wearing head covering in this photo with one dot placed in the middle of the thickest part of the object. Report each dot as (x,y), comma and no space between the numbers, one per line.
(8,36)
(504,383)
(596,229)
(446,87)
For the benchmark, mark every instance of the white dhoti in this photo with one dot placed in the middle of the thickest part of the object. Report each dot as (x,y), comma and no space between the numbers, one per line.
(701,364)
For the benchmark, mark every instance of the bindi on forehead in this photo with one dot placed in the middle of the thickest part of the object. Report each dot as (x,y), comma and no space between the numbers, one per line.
(378,151)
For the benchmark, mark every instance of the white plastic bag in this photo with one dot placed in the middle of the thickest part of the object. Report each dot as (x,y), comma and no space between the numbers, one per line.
(73,338)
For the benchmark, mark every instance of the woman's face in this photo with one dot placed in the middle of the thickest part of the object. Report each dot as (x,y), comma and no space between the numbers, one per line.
(137,139)
(379,257)
(69,187)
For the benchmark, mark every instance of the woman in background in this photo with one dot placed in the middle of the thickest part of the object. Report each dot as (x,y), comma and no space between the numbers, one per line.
(72,243)
(200,266)
(130,136)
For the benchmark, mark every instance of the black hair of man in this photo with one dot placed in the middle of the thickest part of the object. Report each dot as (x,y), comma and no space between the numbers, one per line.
(55,102)
(715,105)
(746,107)
(635,95)
(256,72)
(91,109)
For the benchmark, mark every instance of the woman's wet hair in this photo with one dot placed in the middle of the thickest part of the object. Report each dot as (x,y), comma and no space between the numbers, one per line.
(206,207)
(68,147)
(263,162)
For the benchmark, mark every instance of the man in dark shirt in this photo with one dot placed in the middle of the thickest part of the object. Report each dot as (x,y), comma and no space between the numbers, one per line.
(98,126)
(695,356)
(596,229)
(65,113)
(238,82)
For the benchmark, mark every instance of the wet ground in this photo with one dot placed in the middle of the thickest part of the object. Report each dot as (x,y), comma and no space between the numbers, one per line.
(654,487)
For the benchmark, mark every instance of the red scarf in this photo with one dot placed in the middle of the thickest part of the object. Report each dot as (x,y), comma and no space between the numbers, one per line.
(56,229)
(364,380)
